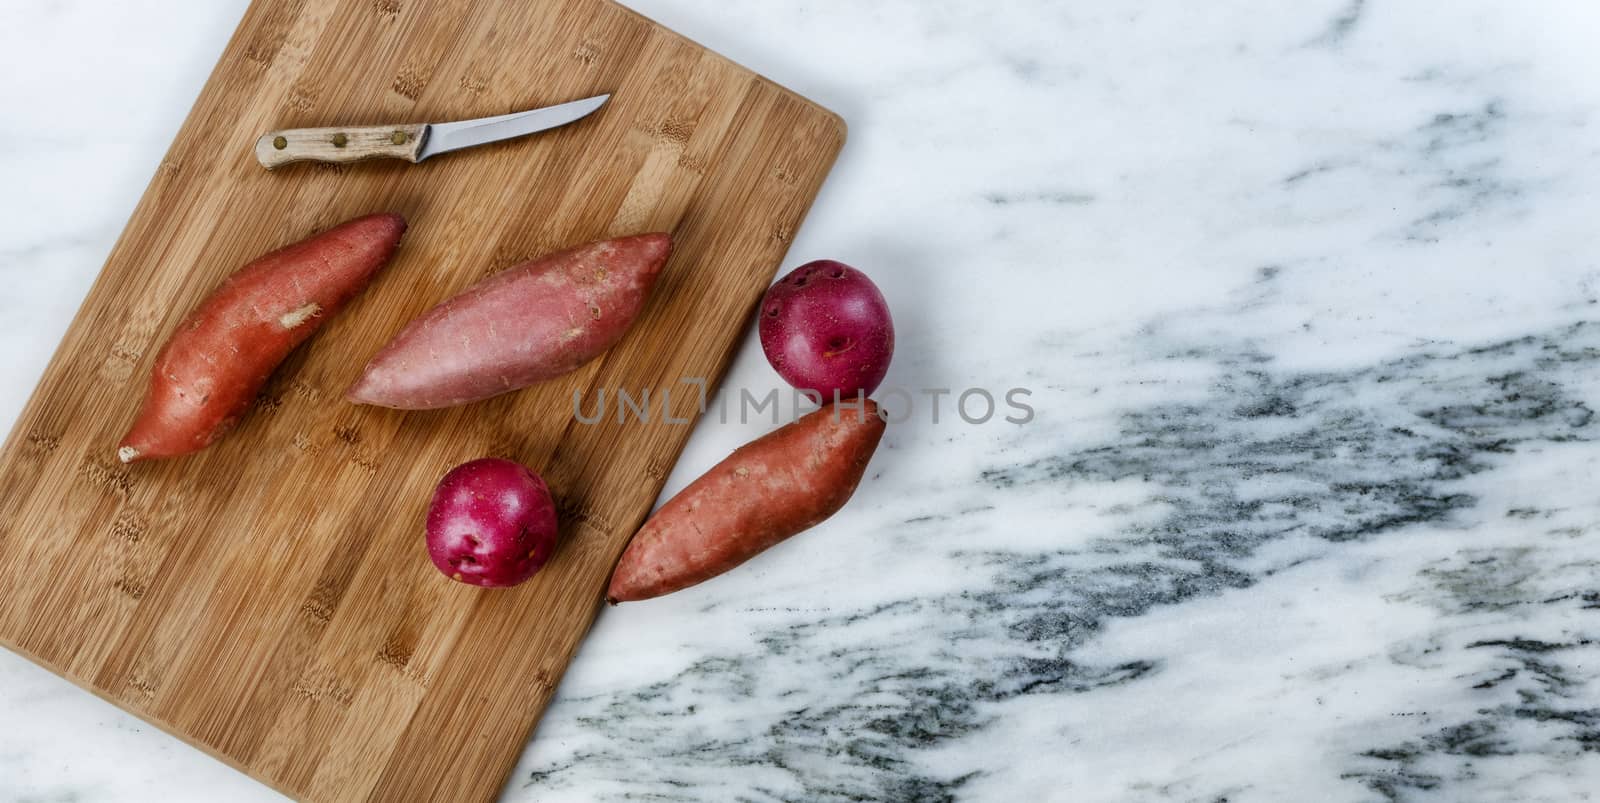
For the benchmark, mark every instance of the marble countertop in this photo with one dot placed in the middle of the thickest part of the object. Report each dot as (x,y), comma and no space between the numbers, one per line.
(1304,296)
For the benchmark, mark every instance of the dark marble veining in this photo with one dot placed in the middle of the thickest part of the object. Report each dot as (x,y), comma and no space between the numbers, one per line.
(1301,462)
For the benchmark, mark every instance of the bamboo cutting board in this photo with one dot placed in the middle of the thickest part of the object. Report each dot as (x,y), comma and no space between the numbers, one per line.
(269,599)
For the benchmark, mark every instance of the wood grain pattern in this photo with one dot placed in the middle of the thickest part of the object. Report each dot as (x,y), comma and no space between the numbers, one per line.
(269,599)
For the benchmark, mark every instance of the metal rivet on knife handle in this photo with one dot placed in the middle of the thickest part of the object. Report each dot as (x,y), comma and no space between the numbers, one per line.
(398,137)
(280,143)
(340,140)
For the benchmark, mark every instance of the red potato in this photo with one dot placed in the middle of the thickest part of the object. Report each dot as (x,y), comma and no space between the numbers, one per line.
(769,489)
(208,373)
(527,324)
(492,523)
(826,328)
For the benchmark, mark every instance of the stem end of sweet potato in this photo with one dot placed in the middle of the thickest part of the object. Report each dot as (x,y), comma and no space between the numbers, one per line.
(127,454)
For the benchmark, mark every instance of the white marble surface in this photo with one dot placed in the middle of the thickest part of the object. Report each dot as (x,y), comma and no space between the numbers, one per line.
(1308,510)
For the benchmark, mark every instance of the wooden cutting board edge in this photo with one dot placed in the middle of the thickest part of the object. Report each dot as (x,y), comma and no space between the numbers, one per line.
(151,187)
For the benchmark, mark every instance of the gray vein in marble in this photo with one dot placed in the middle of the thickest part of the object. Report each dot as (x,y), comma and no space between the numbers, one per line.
(1047,197)
(1341,26)
(1302,461)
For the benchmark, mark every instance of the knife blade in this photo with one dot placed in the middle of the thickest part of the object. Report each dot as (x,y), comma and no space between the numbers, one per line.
(413,142)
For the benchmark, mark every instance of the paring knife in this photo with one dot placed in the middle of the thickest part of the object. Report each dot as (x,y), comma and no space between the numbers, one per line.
(412,142)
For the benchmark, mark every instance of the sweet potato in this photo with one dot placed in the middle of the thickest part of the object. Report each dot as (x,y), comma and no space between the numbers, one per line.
(769,489)
(208,373)
(524,325)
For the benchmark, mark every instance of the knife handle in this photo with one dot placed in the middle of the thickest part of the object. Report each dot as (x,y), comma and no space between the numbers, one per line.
(340,145)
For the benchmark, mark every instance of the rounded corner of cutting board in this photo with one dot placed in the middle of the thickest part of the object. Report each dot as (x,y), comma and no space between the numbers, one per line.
(838,127)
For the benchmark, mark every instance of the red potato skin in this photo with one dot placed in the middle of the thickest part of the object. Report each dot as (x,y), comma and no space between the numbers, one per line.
(492,523)
(768,490)
(208,373)
(527,324)
(826,328)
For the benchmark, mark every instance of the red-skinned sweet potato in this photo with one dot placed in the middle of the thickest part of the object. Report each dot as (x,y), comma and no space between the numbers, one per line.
(208,373)
(769,489)
(527,324)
